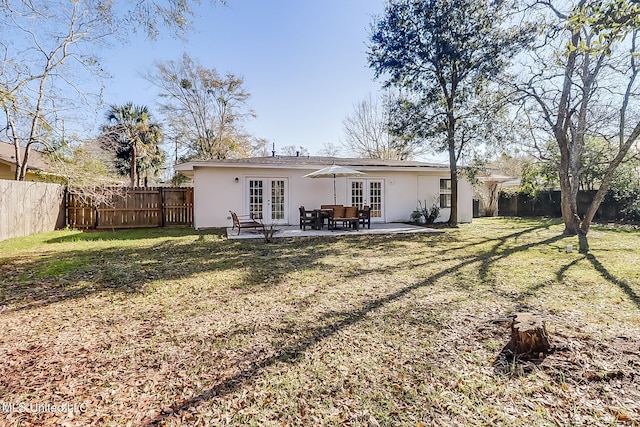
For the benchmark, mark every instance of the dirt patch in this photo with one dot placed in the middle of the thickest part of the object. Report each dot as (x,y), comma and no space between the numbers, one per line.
(602,375)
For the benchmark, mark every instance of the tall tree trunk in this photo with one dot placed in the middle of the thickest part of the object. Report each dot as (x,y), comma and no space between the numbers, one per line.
(25,163)
(21,161)
(34,132)
(560,130)
(568,203)
(18,161)
(453,217)
(134,165)
(568,206)
(453,165)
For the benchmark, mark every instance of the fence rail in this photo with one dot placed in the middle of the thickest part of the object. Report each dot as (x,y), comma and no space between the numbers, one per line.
(132,208)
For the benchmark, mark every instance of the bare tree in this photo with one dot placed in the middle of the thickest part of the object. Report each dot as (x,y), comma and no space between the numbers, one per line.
(36,72)
(47,59)
(581,80)
(293,150)
(368,133)
(204,110)
(153,15)
(330,150)
(84,163)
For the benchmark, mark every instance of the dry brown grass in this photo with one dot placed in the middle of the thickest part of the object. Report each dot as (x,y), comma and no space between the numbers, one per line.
(186,328)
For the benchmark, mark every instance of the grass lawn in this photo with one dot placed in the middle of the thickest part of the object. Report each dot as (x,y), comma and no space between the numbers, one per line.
(179,327)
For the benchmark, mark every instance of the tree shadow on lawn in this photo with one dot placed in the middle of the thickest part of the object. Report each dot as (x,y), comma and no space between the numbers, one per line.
(600,268)
(486,257)
(176,260)
(501,241)
(332,323)
(135,234)
(496,253)
(624,286)
(72,274)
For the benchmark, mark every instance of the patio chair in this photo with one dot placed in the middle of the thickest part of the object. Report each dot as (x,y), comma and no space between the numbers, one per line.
(307,218)
(338,212)
(244,223)
(351,217)
(347,215)
(364,215)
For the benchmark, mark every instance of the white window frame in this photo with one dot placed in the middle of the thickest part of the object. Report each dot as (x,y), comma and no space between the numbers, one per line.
(444,191)
(266,200)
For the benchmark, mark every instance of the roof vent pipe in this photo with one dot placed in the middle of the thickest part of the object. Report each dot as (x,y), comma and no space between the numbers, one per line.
(297,154)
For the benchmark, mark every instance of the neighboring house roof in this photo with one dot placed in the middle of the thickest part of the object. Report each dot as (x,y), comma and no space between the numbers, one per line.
(496,178)
(493,176)
(308,162)
(36,160)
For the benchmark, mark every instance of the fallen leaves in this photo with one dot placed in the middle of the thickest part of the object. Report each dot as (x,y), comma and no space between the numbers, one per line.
(225,333)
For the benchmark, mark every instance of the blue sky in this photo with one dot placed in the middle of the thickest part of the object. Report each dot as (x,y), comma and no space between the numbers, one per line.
(303,61)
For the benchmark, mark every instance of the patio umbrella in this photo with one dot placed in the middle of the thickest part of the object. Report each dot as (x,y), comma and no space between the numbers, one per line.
(334,171)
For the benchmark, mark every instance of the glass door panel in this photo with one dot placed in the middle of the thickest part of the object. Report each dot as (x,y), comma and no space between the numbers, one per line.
(267,199)
(369,192)
(375,199)
(256,199)
(357,194)
(277,199)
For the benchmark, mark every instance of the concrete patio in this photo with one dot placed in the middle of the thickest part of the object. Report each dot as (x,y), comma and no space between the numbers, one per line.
(285,231)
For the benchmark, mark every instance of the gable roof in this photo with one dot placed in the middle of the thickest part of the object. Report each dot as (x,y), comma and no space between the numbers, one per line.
(37,160)
(311,162)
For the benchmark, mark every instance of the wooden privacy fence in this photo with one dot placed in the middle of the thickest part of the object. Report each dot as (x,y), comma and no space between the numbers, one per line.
(30,207)
(132,208)
(548,204)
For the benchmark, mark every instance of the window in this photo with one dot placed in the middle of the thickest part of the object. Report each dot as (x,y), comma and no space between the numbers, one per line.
(357,194)
(445,193)
(277,199)
(255,199)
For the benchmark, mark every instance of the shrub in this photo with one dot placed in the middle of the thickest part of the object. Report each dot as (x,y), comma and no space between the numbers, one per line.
(416,217)
(631,207)
(424,214)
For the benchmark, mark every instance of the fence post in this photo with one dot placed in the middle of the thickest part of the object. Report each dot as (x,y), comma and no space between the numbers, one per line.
(162,210)
(64,221)
(67,196)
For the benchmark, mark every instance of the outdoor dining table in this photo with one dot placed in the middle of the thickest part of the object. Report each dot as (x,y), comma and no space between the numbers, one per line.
(320,215)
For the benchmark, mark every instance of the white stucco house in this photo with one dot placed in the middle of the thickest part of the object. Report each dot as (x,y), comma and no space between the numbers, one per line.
(275,187)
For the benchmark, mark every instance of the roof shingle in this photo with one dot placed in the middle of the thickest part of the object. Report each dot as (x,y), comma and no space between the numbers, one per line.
(36,159)
(316,161)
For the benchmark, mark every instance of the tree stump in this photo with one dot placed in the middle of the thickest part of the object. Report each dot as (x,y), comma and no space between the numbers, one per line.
(529,335)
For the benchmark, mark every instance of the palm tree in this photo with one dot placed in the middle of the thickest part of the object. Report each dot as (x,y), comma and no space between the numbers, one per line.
(134,139)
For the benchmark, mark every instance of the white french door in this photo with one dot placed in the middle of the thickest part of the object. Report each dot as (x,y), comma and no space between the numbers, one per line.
(267,198)
(369,192)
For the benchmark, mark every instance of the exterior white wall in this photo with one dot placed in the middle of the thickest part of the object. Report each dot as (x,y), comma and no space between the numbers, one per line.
(465,201)
(429,193)
(216,192)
